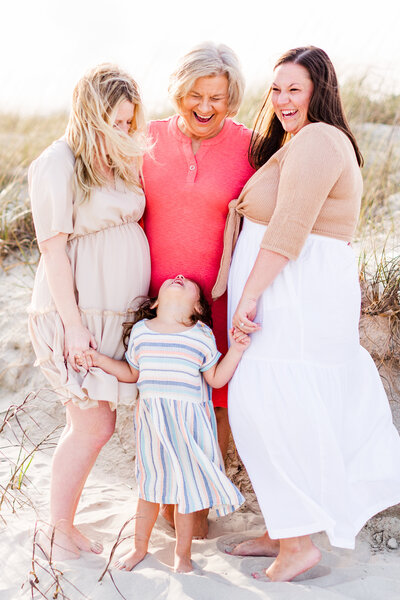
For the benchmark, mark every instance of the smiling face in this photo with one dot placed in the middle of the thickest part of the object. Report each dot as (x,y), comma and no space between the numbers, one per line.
(124,116)
(204,108)
(291,94)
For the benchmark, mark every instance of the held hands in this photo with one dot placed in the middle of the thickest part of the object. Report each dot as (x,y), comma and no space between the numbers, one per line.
(78,339)
(239,341)
(93,358)
(245,314)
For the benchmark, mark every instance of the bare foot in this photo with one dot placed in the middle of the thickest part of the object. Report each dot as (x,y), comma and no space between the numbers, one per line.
(57,543)
(200,524)
(84,543)
(287,566)
(261,546)
(130,560)
(167,511)
(183,564)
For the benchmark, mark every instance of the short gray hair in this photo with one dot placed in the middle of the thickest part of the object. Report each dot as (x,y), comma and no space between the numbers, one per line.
(207,60)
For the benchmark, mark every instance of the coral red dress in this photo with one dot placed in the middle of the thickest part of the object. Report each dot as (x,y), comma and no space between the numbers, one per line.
(187,199)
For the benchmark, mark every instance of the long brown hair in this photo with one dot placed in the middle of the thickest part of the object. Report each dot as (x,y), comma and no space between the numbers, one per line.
(325,106)
(147,310)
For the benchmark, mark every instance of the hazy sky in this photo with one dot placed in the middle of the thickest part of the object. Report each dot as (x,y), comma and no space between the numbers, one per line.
(46,45)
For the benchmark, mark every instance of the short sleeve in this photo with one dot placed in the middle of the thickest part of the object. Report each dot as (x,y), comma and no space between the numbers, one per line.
(130,354)
(211,353)
(311,168)
(50,179)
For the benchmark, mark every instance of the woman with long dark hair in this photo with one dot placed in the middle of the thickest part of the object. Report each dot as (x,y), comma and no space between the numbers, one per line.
(306,405)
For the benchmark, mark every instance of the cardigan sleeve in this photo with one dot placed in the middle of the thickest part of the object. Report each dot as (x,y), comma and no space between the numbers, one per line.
(308,173)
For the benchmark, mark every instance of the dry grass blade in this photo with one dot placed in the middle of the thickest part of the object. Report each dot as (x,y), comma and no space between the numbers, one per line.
(116,587)
(58,581)
(382,288)
(11,491)
(120,539)
(381,298)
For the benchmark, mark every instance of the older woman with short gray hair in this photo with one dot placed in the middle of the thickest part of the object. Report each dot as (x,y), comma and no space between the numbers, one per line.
(199,163)
(204,61)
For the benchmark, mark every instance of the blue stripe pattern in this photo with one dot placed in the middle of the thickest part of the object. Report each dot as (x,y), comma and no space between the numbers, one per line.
(178,460)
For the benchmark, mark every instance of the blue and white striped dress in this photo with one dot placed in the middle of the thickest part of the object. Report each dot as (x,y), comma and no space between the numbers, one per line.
(178,460)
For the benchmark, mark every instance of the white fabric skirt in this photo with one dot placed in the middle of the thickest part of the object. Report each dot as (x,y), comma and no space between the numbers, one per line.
(307,408)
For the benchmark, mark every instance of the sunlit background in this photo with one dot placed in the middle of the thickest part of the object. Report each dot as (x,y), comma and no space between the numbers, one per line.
(46,45)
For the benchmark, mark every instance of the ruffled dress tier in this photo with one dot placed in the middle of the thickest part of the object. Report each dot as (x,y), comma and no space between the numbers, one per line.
(308,411)
(110,263)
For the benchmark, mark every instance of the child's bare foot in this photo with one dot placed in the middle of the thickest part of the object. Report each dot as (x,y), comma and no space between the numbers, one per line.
(200,524)
(290,564)
(167,511)
(57,543)
(183,564)
(128,561)
(84,543)
(261,546)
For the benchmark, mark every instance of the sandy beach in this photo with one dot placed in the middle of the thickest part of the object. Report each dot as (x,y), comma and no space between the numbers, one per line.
(370,572)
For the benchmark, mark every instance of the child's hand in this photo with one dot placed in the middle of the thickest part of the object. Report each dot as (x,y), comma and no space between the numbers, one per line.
(239,341)
(93,358)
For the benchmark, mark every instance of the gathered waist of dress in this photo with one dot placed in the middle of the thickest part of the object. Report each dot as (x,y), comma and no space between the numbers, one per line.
(237,214)
(124,222)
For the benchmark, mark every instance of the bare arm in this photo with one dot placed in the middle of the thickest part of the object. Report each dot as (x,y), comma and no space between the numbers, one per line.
(267,266)
(122,370)
(61,285)
(219,375)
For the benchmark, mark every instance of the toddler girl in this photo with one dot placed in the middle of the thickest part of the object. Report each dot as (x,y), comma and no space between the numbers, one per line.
(173,357)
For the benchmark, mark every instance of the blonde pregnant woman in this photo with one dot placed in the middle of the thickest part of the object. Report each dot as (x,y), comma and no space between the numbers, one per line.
(86,204)
(306,405)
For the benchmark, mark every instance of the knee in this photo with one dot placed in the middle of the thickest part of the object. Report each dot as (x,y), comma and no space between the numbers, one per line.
(94,426)
(105,435)
(104,431)
(99,433)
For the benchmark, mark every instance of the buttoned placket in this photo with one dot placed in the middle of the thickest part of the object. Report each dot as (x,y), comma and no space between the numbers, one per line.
(191,162)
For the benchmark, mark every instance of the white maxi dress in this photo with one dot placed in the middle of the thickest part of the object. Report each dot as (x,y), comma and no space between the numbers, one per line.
(307,407)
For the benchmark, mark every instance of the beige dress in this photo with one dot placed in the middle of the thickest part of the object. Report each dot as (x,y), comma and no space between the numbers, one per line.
(110,262)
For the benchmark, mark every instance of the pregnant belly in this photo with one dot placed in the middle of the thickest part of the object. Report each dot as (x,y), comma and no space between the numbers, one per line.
(111,267)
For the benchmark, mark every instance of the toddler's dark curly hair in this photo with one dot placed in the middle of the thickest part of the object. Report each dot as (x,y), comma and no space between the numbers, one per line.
(147,310)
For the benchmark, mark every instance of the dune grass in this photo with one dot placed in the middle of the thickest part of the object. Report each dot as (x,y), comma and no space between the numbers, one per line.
(22,139)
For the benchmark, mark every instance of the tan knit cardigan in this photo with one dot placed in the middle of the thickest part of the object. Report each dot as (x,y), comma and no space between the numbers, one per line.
(312,184)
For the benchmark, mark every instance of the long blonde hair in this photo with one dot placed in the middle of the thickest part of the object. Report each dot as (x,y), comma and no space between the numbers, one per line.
(98,146)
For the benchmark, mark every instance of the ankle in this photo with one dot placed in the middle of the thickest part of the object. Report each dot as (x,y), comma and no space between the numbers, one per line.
(140,546)
(183,554)
(296,545)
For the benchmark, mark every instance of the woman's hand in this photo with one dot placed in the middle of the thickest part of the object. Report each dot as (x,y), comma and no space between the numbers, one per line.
(61,283)
(245,314)
(78,339)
